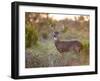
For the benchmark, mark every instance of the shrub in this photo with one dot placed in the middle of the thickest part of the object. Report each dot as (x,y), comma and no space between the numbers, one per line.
(86,47)
(31,35)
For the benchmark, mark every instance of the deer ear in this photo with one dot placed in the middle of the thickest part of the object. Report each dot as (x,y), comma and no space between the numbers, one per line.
(53,33)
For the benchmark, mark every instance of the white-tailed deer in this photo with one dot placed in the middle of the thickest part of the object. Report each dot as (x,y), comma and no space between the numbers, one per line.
(66,46)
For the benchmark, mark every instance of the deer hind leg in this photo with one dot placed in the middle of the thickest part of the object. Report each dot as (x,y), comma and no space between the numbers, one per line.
(63,59)
(78,51)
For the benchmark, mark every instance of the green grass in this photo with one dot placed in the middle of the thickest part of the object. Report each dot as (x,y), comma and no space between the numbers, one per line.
(45,54)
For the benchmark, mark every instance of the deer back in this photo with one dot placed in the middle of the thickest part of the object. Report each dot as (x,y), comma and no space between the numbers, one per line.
(64,46)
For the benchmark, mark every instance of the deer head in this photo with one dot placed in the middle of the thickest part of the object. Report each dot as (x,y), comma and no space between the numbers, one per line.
(55,33)
(56,36)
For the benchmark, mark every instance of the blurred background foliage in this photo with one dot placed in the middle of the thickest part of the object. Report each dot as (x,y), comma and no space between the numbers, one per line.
(31,35)
(39,45)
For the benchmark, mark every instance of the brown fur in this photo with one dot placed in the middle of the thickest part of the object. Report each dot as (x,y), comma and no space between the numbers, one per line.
(65,46)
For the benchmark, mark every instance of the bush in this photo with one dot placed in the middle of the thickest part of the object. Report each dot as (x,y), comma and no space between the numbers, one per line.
(31,36)
(86,47)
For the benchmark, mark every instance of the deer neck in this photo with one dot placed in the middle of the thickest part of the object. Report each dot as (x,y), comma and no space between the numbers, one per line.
(56,39)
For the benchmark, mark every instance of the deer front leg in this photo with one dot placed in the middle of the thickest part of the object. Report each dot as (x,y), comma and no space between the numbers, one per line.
(64,59)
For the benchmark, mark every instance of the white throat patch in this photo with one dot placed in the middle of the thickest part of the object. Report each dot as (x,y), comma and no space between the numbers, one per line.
(55,38)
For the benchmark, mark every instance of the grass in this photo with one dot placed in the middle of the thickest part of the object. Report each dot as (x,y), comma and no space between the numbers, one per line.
(45,54)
